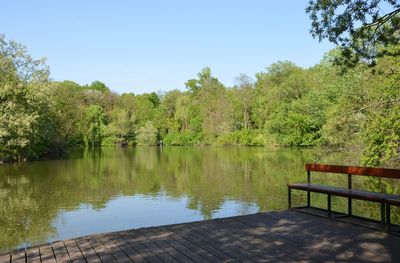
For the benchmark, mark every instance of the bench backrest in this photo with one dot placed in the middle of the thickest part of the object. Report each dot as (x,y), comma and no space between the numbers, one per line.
(353,170)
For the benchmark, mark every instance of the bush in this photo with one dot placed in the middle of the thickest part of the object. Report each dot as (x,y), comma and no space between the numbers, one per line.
(242,137)
(147,134)
(186,138)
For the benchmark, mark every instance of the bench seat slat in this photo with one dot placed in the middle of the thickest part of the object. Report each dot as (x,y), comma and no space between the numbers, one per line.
(338,191)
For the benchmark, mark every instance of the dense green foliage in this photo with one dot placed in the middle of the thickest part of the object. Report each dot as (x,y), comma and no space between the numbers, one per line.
(360,27)
(356,108)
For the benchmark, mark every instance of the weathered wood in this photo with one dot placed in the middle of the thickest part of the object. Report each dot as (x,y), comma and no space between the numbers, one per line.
(338,191)
(74,252)
(146,250)
(18,256)
(5,258)
(162,254)
(157,237)
(191,246)
(33,255)
(354,170)
(60,252)
(100,249)
(88,252)
(287,236)
(114,249)
(181,248)
(275,242)
(47,254)
(251,245)
(211,242)
(231,241)
(383,198)
(134,252)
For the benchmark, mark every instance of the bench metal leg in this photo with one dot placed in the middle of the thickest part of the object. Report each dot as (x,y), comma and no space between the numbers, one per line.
(349,206)
(329,206)
(388,218)
(289,198)
(308,198)
(383,213)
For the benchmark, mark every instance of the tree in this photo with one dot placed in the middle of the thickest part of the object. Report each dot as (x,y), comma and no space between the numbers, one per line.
(382,133)
(153,98)
(26,126)
(357,26)
(147,134)
(182,111)
(214,107)
(194,85)
(98,85)
(68,111)
(143,109)
(120,128)
(244,94)
(94,125)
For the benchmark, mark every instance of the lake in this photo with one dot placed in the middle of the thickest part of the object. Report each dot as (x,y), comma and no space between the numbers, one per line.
(112,189)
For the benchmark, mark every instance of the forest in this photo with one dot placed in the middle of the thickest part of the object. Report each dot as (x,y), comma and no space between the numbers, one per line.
(349,101)
(352,108)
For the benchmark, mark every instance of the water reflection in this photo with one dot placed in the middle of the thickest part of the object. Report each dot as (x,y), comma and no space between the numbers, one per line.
(113,189)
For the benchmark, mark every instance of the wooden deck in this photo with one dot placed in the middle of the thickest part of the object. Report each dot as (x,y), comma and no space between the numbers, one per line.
(287,236)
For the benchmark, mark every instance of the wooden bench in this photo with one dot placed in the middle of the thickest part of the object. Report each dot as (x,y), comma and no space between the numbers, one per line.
(385,200)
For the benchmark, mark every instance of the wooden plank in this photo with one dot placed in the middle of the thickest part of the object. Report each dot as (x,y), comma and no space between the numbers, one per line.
(294,243)
(5,257)
(87,250)
(242,243)
(197,249)
(134,241)
(18,256)
(199,243)
(265,237)
(116,251)
(33,255)
(47,254)
(189,245)
(74,252)
(343,192)
(60,252)
(162,254)
(192,254)
(130,251)
(219,237)
(100,249)
(167,246)
(208,243)
(269,245)
(354,170)
(155,238)
(250,246)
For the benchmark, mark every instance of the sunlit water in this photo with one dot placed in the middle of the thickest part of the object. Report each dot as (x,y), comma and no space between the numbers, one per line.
(121,188)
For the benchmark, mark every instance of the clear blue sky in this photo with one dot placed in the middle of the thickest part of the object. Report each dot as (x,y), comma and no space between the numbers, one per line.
(149,45)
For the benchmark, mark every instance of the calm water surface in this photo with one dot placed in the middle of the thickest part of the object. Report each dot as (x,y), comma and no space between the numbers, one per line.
(114,189)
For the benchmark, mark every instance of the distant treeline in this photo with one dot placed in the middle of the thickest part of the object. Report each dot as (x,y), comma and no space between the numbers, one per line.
(331,105)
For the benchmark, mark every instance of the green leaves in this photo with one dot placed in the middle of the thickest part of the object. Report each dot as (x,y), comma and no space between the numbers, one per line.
(350,107)
(26,126)
(94,125)
(359,27)
(147,134)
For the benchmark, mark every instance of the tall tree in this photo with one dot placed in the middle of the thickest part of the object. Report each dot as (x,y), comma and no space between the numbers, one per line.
(245,96)
(94,125)
(26,127)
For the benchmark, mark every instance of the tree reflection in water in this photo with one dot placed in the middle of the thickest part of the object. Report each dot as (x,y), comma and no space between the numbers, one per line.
(32,195)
